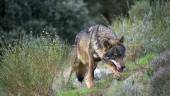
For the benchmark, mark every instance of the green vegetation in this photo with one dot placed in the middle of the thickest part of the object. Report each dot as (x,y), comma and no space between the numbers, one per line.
(34,55)
(161,74)
(57,17)
(29,68)
(147,28)
(77,92)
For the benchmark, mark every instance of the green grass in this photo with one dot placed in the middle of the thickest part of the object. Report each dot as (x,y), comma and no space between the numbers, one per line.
(78,92)
(146,59)
(99,85)
(142,62)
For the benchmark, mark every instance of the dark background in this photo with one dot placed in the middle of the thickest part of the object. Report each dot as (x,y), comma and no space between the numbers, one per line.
(55,17)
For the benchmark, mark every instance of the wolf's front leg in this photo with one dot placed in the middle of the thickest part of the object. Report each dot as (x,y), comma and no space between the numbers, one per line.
(90,73)
(89,78)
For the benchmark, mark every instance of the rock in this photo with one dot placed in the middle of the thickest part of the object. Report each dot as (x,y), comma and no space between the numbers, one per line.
(101,73)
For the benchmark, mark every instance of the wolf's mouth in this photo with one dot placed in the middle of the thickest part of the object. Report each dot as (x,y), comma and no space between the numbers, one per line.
(117,65)
(114,63)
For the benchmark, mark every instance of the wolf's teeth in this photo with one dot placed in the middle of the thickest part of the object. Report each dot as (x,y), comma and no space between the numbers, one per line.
(117,64)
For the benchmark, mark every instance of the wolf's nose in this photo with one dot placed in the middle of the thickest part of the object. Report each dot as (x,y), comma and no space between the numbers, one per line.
(122,68)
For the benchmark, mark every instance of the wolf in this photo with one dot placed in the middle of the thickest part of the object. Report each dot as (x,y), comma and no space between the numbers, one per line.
(93,44)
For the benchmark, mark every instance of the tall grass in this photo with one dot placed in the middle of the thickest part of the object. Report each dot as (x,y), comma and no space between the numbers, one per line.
(148,26)
(29,68)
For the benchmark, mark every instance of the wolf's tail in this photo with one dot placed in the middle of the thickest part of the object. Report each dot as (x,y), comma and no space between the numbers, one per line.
(80,72)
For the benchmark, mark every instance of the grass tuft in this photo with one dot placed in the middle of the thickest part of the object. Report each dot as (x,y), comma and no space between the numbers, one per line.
(30,67)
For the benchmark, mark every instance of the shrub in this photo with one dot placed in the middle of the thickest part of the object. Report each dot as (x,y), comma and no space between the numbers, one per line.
(68,18)
(149,30)
(160,80)
(28,69)
(139,10)
(65,16)
(135,85)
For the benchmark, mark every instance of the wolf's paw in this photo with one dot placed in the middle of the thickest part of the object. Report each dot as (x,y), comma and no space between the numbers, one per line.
(89,82)
(117,75)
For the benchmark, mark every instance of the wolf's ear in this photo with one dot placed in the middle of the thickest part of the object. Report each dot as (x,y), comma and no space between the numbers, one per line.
(121,40)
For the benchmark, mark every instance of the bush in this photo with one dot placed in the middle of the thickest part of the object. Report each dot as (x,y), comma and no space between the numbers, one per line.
(65,16)
(140,10)
(150,30)
(135,85)
(70,16)
(28,69)
(160,80)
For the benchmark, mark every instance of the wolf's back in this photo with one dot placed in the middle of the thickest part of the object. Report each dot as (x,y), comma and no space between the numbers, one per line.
(95,32)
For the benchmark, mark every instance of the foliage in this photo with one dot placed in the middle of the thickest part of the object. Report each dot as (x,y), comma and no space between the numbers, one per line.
(161,75)
(61,17)
(108,8)
(30,67)
(134,85)
(150,30)
(64,17)
(68,18)
(139,10)
(142,62)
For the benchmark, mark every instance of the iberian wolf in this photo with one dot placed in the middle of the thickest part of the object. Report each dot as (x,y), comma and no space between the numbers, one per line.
(93,44)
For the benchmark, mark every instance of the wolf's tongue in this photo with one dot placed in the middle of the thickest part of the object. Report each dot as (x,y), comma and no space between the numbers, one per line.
(117,64)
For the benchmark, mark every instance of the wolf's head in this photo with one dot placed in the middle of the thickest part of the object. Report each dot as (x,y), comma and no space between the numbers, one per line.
(115,53)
